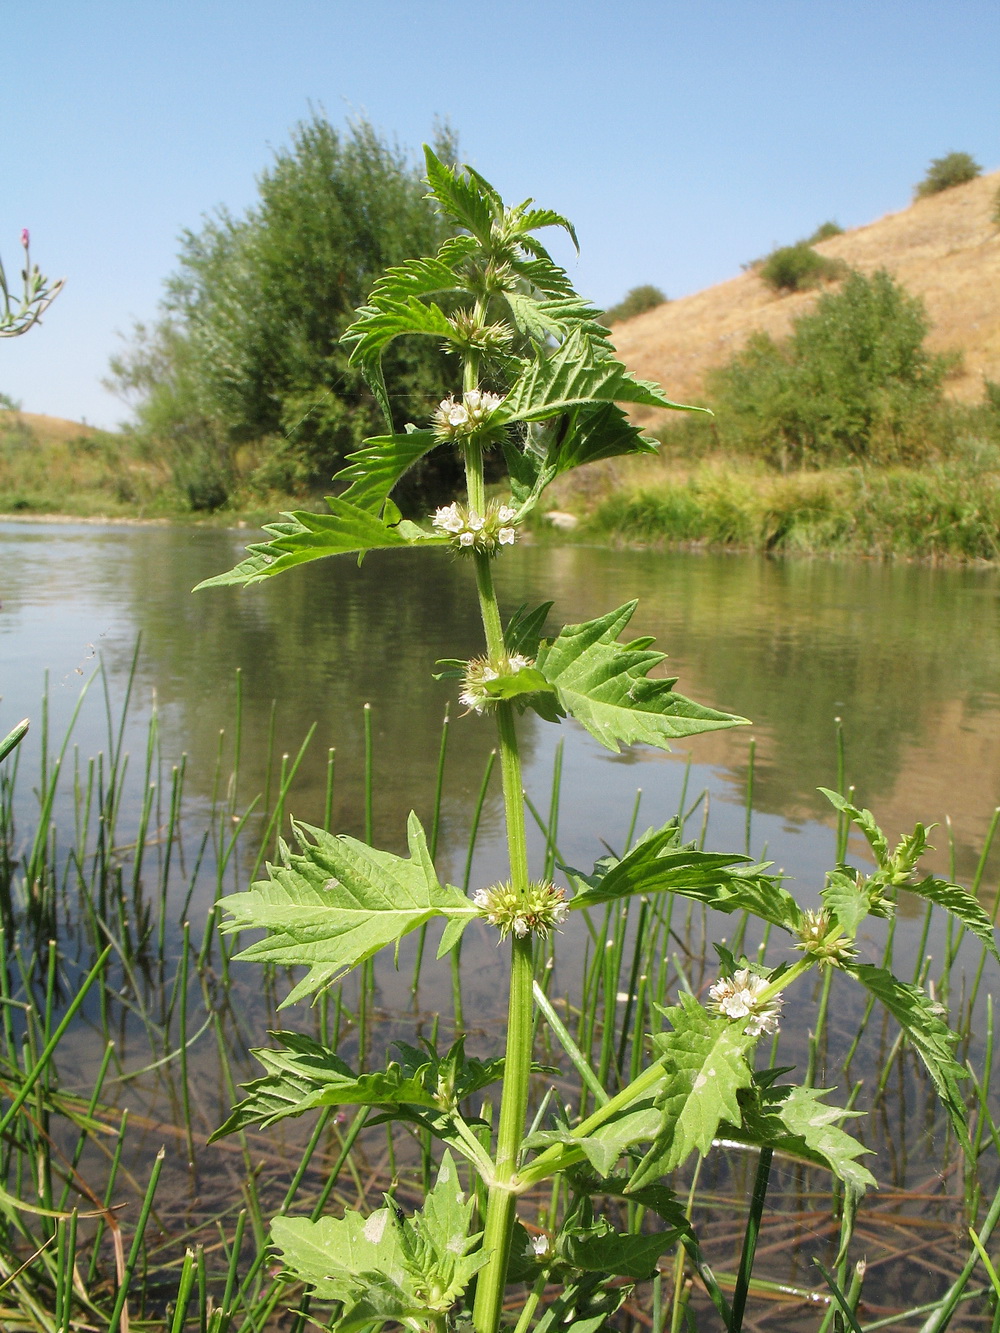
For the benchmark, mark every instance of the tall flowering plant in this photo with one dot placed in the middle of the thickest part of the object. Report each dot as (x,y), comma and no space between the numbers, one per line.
(538,380)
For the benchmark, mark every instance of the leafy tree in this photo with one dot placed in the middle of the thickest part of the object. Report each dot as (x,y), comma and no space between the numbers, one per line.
(248,346)
(854,381)
(944,172)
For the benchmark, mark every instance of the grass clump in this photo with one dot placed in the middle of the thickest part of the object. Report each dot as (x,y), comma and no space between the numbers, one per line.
(946,172)
(796,268)
(944,511)
(635,302)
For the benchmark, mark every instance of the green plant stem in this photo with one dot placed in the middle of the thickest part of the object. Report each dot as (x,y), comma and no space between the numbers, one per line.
(520,1028)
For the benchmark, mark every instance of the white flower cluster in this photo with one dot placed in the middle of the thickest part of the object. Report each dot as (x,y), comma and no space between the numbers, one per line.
(453,418)
(472,531)
(543,907)
(481,671)
(738,996)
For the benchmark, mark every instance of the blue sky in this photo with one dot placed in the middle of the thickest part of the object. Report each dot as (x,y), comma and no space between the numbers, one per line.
(683,137)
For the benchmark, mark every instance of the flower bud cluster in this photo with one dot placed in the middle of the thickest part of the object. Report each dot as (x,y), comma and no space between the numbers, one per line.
(739,996)
(821,936)
(543,907)
(473,334)
(481,671)
(454,419)
(472,531)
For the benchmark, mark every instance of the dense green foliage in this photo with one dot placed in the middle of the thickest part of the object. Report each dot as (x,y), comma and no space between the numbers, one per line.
(949,510)
(248,348)
(852,383)
(944,172)
(794,268)
(824,232)
(635,302)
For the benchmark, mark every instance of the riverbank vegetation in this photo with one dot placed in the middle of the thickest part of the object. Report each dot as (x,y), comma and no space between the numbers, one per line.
(837,439)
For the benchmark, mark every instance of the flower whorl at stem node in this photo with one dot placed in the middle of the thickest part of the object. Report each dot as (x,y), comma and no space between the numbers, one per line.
(822,937)
(472,531)
(541,909)
(453,419)
(738,996)
(481,671)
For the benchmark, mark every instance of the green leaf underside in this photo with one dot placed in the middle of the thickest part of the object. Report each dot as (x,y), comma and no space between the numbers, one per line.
(305,1075)
(658,864)
(961,904)
(603,684)
(347,529)
(705,1058)
(373,471)
(339,901)
(926,1031)
(385,1267)
(601,1249)
(797,1122)
(578,371)
(603,1147)
(865,821)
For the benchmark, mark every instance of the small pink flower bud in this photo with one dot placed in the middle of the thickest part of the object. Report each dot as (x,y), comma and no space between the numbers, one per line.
(25,237)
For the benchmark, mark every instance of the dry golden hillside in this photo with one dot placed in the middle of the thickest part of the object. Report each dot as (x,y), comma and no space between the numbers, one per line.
(945,249)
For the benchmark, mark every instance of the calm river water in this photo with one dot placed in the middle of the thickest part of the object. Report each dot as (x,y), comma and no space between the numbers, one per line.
(908,657)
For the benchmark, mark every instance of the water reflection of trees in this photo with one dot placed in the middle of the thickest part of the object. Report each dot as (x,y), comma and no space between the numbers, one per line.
(908,656)
(320,642)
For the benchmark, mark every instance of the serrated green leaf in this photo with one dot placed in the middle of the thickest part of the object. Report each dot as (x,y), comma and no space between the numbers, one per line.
(658,1198)
(797,1123)
(347,529)
(386,1267)
(846,900)
(578,371)
(425,277)
(338,902)
(961,904)
(865,821)
(807,1118)
(932,1039)
(464,196)
(658,864)
(604,1146)
(601,1249)
(585,1306)
(340,1257)
(373,471)
(705,1058)
(603,684)
(523,633)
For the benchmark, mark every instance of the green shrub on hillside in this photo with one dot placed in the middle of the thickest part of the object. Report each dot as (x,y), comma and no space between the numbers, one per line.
(794,268)
(853,383)
(824,232)
(635,302)
(944,172)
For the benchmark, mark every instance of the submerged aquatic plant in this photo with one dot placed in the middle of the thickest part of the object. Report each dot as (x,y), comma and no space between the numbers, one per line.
(538,380)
